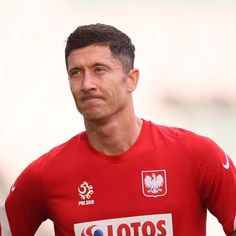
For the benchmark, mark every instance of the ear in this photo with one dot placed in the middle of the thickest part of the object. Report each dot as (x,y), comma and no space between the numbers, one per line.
(132,80)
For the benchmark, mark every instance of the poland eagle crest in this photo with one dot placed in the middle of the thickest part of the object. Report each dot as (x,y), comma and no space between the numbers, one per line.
(154,183)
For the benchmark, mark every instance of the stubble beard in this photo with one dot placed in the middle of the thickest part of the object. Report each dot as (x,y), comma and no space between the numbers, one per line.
(93,114)
(100,115)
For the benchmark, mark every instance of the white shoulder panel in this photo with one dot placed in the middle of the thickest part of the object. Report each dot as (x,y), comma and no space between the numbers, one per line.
(4,221)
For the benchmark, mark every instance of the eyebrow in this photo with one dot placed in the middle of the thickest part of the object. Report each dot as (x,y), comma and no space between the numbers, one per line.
(93,65)
(102,64)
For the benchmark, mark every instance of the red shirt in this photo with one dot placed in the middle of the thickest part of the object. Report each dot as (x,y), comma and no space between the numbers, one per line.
(162,186)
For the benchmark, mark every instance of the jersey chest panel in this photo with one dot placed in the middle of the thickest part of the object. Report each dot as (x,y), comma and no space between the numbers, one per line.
(146,184)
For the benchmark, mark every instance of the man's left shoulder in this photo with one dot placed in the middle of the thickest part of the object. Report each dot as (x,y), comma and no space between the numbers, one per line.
(180,133)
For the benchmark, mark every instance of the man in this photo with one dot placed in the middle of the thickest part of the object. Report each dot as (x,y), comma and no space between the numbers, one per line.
(123,175)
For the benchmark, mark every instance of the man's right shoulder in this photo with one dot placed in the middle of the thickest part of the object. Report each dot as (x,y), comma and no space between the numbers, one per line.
(59,151)
(54,161)
(76,140)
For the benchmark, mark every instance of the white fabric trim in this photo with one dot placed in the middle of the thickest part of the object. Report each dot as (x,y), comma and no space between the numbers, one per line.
(235,222)
(4,221)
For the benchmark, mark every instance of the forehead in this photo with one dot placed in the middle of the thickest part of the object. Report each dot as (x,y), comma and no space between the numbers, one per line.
(92,54)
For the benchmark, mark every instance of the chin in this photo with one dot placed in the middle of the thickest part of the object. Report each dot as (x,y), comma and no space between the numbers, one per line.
(98,114)
(94,116)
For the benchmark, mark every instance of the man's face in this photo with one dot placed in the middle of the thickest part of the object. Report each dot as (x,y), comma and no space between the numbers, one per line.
(98,83)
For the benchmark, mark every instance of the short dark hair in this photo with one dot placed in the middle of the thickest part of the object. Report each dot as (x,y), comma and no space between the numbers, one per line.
(106,35)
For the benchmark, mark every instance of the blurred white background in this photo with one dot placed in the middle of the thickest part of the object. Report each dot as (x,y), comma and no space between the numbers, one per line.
(185,50)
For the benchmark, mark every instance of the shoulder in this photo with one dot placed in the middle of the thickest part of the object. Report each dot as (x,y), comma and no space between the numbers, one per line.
(196,145)
(54,158)
(68,146)
(177,133)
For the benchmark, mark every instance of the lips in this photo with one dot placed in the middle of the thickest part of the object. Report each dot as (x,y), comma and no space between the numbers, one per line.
(86,98)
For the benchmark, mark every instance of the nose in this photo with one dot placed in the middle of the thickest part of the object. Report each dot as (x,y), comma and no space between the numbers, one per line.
(88,82)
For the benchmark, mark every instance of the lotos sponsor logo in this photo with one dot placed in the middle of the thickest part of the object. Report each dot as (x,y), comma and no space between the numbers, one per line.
(149,225)
(92,231)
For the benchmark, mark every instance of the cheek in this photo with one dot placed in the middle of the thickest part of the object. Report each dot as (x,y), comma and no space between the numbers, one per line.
(113,91)
(118,93)
(74,88)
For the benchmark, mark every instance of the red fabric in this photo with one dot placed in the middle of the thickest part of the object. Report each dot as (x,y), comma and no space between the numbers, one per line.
(73,183)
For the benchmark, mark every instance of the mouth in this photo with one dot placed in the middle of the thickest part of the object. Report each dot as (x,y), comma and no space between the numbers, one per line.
(90,98)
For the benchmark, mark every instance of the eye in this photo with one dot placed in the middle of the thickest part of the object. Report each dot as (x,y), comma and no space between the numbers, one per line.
(99,69)
(75,73)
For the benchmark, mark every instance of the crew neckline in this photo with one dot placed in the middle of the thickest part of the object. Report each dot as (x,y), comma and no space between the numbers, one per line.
(120,157)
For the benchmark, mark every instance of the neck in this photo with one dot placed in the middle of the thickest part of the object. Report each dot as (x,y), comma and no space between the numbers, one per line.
(113,137)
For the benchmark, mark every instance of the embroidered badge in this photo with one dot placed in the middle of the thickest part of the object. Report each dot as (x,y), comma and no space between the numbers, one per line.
(85,191)
(154,183)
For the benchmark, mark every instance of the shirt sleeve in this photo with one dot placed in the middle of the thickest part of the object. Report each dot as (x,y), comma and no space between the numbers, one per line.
(24,211)
(216,177)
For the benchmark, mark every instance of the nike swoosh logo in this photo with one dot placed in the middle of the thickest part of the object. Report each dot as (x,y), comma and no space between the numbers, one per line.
(13,188)
(226,165)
